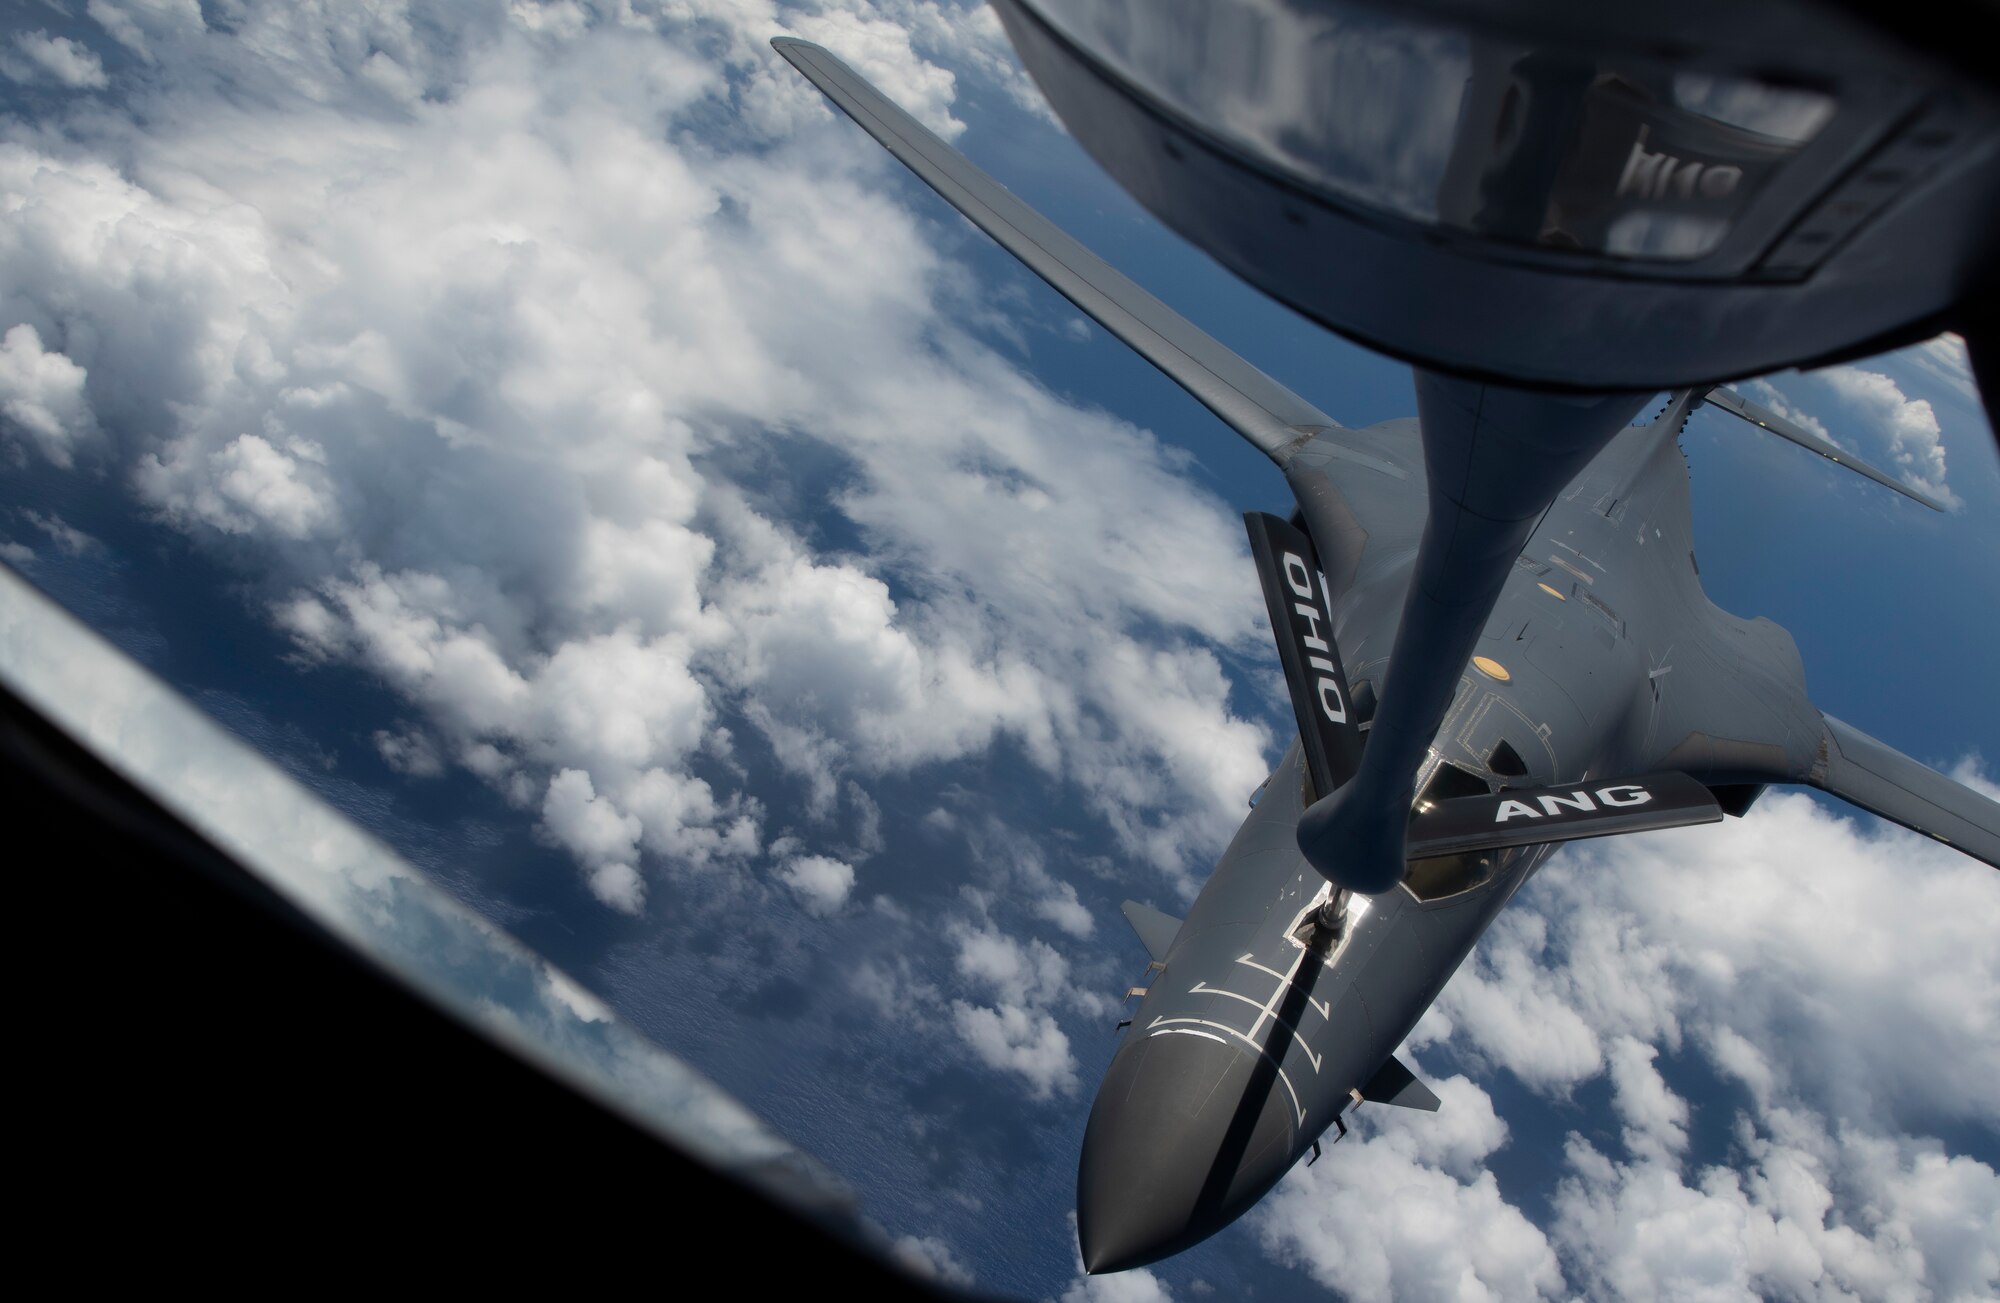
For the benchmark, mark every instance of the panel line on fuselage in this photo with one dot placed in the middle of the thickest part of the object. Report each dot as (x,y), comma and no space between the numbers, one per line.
(1158,1027)
(1325,1007)
(1265,1011)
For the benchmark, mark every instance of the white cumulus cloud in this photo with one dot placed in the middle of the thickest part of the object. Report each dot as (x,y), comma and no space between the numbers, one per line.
(931,1258)
(821,882)
(605,840)
(471,344)
(42,398)
(1019,1040)
(1909,425)
(245,485)
(1405,1210)
(1815,1214)
(39,57)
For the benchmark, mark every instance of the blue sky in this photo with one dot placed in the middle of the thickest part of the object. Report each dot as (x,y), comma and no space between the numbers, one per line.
(587,460)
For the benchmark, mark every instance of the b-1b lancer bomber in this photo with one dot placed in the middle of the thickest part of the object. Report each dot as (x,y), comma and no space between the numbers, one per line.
(1489,617)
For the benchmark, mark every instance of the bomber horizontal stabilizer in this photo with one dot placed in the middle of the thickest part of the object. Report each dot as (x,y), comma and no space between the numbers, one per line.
(1301,619)
(1764,418)
(1257,407)
(1878,778)
(1527,816)
(1156,930)
(1395,1084)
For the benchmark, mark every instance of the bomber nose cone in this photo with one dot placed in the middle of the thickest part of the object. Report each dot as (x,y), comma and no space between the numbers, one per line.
(1187,1132)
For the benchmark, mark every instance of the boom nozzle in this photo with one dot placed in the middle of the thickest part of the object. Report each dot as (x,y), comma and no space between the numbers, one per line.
(1354,838)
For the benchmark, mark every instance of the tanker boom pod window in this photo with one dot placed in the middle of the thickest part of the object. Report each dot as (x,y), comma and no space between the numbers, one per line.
(1451,875)
(1778,112)
(1648,176)
(1617,156)
(1352,100)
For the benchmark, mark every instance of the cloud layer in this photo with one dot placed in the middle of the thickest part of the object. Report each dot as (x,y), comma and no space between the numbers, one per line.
(460,339)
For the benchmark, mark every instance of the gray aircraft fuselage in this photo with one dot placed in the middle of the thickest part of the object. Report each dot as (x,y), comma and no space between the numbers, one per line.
(1524,559)
(1248,1044)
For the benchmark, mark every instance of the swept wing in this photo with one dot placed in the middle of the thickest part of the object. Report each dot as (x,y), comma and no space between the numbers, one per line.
(1265,412)
(1764,418)
(1877,777)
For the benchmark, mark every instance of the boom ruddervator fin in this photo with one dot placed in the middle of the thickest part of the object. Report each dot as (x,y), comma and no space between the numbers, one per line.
(1257,407)
(1526,816)
(1764,418)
